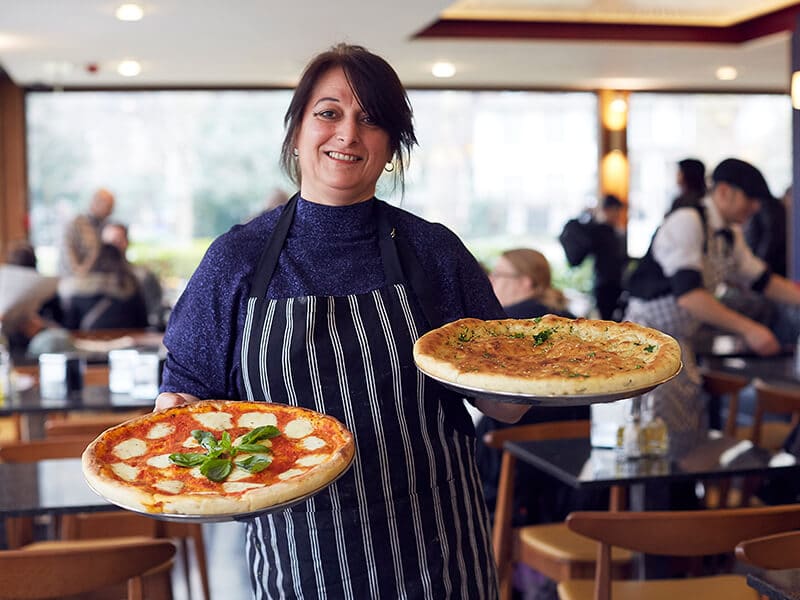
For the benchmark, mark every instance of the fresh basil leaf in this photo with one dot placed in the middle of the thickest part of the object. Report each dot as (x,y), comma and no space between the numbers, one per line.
(255,464)
(216,469)
(225,442)
(253,448)
(264,432)
(190,459)
(206,439)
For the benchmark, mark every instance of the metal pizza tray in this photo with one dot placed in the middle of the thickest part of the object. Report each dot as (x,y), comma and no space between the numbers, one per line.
(225,517)
(550,400)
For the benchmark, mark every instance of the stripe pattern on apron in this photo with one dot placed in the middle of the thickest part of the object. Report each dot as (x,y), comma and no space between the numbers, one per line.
(408,520)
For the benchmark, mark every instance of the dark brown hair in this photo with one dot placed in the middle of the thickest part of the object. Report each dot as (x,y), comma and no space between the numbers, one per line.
(378,90)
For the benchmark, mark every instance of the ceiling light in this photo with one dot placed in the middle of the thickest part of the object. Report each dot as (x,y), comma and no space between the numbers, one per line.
(727,73)
(443,69)
(618,105)
(129,12)
(129,68)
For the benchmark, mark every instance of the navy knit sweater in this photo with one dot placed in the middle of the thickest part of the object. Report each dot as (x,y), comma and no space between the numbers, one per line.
(330,251)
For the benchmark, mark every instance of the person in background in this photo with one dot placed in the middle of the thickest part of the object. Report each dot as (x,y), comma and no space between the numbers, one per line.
(522,282)
(116,234)
(673,287)
(81,243)
(107,297)
(765,232)
(691,180)
(600,234)
(318,304)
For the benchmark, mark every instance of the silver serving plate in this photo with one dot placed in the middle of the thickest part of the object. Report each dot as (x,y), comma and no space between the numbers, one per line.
(226,517)
(553,399)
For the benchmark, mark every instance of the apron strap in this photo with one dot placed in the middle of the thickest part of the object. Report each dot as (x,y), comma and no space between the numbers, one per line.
(269,257)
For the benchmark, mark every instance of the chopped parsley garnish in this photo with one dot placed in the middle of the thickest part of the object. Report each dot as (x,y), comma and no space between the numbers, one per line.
(218,460)
(466,335)
(650,348)
(542,336)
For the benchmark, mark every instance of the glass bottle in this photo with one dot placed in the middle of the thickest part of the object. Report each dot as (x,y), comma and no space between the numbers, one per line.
(630,439)
(655,433)
(5,369)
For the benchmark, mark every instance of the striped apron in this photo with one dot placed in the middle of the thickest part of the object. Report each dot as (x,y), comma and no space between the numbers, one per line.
(681,402)
(408,519)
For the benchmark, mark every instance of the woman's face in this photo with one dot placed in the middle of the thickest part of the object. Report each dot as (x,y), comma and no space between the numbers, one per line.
(509,286)
(341,152)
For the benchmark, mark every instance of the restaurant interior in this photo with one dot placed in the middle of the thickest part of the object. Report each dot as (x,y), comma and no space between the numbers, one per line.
(529,115)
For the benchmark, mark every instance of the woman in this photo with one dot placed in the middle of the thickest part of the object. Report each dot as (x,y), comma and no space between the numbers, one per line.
(318,304)
(522,281)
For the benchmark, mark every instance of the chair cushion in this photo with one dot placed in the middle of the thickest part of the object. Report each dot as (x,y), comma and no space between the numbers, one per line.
(556,540)
(730,587)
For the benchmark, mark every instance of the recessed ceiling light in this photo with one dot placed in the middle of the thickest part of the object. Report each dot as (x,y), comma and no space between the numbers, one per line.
(129,68)
(129,12)
(443,69)
(727,73)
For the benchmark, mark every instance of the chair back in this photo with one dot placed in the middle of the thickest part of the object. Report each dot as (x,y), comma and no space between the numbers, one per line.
(32,451)
(677,533)
(777,551)
(553,430)
(92,425)
(720,383)
(776,400)
(62,570)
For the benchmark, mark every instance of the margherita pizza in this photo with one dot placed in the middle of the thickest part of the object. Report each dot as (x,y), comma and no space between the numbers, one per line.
(217,457)
(547,356)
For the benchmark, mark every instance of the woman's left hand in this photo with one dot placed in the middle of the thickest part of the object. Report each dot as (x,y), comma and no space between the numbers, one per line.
(170,399)
(502,411)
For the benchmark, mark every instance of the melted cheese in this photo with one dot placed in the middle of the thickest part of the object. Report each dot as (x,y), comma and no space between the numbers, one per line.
(130,448)
(215,420)
(291,473)
(191,443)
(238,473)
(169,486)
(239,486)
(298,428)
(311,460)
(252,420)
(125,472)
(159,462)
(313,443)
(160,430)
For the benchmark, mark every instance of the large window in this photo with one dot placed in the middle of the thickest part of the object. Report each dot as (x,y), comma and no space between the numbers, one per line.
(665,128)
(499,168)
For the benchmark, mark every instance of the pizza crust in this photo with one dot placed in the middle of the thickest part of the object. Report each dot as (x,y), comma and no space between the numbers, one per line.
(548,356)
(242,496)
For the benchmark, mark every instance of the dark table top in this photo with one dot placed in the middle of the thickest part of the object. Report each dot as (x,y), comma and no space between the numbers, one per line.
(577,464)
(89,398)
(47,486)
(776,585)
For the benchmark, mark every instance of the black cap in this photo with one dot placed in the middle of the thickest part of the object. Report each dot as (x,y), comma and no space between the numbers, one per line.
(611,201)
(743,175)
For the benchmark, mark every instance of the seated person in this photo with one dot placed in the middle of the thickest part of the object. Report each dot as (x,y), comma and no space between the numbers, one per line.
(522,282)
(107,297)
(521,279)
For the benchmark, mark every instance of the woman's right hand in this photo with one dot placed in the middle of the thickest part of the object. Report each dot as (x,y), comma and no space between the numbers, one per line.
(762,340)
(170,399)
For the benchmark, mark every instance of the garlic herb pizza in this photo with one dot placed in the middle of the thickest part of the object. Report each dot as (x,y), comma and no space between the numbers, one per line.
(217,457)
(547,356)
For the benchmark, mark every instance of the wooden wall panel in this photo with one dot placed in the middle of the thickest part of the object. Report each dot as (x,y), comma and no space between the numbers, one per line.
(13,178)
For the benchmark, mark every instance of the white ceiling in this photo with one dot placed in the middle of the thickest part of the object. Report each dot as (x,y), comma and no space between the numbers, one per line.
(267,42)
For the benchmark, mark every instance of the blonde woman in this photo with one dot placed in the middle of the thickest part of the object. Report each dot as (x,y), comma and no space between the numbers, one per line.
(522,282)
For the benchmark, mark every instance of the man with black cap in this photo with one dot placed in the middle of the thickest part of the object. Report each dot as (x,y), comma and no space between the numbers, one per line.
(672,289)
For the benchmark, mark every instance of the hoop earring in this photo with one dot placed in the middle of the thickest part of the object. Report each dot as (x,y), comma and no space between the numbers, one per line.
(389,167)
(295,153)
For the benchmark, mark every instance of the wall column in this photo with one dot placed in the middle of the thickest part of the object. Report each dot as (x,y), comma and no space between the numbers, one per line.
(794,208)
(13,169)
(614,172)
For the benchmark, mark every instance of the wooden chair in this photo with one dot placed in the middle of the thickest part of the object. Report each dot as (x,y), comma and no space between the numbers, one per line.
(102,525)
(777,551)
(92,424)
(551,549)
(673,533)
(64,569)
(720,384)
(775,400)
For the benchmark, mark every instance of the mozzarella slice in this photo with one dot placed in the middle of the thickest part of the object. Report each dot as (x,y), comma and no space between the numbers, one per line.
(239,486)
(130,448)
(257,419)
(160,430)
(191,443)
(125,472)
(312,442)
(215,420)
(161,461)
(238,473)
(311,460)
(169,486)
(298,428)
(291,473)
